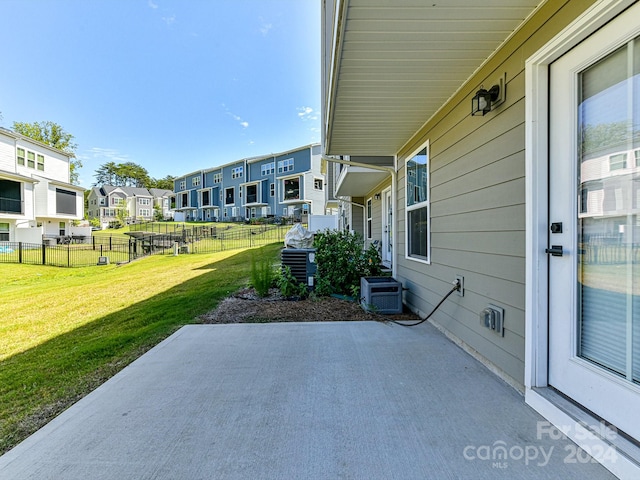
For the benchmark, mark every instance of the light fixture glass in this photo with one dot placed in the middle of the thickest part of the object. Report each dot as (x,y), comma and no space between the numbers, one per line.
(481,102)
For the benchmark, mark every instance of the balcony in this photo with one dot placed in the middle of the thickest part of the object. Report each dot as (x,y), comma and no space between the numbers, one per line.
(11,205)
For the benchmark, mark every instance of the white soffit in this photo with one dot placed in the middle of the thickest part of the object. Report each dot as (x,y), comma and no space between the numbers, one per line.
(400,60)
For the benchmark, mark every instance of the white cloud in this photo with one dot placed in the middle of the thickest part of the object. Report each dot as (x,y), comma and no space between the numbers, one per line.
(265,27)
(307,113)
(152,5)
(237,118)
(106,154)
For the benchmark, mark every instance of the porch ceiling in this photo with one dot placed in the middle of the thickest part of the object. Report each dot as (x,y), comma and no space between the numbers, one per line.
(395,63)
(358,181)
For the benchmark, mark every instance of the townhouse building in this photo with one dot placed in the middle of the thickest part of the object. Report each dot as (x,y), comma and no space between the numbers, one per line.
(36,196)
(109,203)
(286,185)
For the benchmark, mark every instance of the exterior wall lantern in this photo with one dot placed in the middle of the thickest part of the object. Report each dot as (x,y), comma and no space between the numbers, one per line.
(481,102)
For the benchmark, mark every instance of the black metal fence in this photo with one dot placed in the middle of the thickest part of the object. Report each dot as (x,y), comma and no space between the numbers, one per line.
(116,249)
(70,255)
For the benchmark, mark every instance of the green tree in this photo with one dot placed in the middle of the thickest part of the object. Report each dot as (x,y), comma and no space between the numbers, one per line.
(165,183)
(128,174)
(52,134)
(106,174)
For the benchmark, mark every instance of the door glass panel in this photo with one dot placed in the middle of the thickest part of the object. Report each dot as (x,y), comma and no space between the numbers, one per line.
(608,207)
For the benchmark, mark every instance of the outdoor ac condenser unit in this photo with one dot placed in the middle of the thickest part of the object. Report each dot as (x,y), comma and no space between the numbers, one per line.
(302,262)
(381,294)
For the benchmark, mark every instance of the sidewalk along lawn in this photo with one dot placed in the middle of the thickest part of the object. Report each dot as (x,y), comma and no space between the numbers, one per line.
(71,329)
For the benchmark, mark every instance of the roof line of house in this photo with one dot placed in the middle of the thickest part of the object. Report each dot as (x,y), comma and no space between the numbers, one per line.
(19,136)
(248,160)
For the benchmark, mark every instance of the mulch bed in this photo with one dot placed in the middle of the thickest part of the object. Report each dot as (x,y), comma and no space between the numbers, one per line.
(245,306)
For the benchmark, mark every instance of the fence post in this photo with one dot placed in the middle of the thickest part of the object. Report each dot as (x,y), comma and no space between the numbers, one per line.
(44,254)
(110,238)
(93,241)
(19,252)
(69,255)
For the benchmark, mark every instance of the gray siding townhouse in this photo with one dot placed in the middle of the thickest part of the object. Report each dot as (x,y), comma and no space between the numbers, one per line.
(36,196)
(500,142)
(287,184)
(108,203)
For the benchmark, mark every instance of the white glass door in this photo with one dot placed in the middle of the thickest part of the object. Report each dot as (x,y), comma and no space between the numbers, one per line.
(594,236)
(387,229)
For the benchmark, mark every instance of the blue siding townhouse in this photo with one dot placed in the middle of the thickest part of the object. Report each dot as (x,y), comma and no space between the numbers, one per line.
(283,185)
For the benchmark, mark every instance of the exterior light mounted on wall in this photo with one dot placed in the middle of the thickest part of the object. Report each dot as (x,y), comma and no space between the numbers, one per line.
(485,100)
(377,196)
(481,102)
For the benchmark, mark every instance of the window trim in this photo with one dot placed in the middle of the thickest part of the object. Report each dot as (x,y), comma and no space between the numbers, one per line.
(286,165)
(417,206)
(369,215)
(237,172)
(21,159)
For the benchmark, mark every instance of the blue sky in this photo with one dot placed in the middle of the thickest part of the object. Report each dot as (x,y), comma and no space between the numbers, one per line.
(172,85)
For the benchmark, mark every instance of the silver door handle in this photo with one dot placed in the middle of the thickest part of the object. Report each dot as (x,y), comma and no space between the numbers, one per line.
(555,250)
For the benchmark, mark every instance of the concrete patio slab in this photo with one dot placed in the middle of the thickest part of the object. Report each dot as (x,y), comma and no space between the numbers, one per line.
(339,400)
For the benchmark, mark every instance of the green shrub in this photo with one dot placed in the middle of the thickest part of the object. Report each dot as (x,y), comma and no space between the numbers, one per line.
(262,276)
(342,260)
(289,285)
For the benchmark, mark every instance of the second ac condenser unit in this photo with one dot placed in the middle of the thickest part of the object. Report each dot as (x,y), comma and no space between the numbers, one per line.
(302,263)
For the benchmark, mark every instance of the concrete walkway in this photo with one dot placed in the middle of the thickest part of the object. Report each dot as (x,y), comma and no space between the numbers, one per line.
(345,400)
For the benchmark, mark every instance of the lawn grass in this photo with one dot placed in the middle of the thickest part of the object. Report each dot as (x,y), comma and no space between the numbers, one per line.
(71,329)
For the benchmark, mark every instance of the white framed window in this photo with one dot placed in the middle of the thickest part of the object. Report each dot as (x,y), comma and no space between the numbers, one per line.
(268,169)
(145,212)
(618,161)
(285,165)
(116,201)
(217,177)
(418,208)
(183,184)
(40,164)
(237,172)
(369,218)
(144,201)
(31,159)
(20,156)
(195,181)
(4,232)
